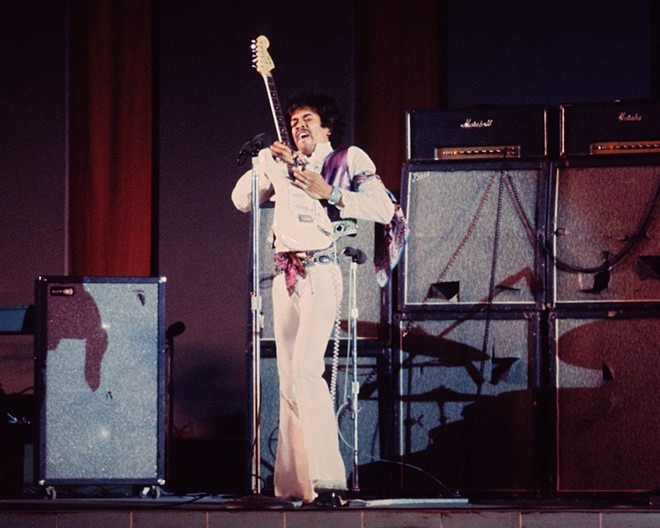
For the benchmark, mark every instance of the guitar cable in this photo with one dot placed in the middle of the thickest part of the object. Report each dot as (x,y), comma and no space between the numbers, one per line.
(632,241)
(473,422)
(336,277)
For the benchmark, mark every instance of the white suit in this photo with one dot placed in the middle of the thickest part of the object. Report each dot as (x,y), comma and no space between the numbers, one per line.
(308,456)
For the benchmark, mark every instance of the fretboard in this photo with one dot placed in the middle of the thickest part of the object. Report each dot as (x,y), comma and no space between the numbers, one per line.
(276,108)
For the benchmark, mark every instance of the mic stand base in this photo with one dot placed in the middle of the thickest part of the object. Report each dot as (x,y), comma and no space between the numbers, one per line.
(257,501)
(410,503)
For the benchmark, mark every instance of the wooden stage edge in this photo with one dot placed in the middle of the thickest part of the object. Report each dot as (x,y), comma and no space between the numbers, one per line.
(206,511)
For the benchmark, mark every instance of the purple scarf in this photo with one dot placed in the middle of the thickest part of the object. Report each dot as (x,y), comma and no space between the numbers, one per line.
(391,238)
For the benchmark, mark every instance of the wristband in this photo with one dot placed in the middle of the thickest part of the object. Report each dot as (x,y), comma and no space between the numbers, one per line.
(335,195)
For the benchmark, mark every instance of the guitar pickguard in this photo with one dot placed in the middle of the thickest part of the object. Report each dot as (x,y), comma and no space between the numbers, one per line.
(299,221)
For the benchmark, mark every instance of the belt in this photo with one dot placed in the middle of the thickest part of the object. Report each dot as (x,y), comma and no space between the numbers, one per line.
(294,264)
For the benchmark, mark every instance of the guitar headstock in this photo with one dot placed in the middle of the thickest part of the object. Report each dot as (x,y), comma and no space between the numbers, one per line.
(261,60)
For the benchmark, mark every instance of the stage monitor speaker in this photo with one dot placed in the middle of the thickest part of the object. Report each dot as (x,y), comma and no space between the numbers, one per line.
(373,302)
(459,234)
(599,222)
(468,417)
(608,426)
(100,383)
(375,420)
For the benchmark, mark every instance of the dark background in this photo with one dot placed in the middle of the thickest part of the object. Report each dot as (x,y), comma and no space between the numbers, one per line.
(211,101)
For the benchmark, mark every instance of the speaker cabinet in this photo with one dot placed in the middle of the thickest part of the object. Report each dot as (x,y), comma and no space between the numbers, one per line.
(375,419)
(605,234)
(466,220)
(100,380)
(467,412)
(373,302)
(608,427)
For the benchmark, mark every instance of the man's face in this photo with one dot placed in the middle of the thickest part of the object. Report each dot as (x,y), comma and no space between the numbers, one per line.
(307,130)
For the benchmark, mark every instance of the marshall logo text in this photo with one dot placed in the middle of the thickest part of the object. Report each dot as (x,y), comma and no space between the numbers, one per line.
(469,123)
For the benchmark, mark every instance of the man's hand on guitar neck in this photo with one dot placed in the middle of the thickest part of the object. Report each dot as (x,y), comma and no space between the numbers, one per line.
(283,153)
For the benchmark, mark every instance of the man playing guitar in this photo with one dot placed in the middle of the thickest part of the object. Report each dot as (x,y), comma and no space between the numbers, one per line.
(308,287)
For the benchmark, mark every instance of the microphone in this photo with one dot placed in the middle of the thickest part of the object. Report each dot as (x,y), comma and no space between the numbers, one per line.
(175,329)
(243,154)
(357,255)
(261,141)
(251,148)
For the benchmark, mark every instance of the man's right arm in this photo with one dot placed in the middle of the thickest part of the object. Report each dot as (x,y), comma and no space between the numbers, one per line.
(242,193)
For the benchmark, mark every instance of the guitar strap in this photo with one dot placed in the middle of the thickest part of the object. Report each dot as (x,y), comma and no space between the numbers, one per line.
(391,238)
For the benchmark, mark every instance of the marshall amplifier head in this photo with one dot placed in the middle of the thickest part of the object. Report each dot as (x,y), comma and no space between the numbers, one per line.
(616,128)
(480,132)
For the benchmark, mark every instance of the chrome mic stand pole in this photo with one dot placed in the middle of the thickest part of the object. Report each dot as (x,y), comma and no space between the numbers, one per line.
(257,319)
(355,385)
(357,257)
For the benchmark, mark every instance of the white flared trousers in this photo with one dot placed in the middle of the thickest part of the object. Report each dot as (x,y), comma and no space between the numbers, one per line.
(308,456)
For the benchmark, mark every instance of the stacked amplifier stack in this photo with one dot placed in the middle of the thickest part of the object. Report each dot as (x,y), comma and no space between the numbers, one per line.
(528,300)
(604,288)
(471,290)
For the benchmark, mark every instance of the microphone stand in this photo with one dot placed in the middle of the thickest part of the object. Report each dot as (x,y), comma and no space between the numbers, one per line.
(252,148)
(256,321)
(256,500)
(357,257)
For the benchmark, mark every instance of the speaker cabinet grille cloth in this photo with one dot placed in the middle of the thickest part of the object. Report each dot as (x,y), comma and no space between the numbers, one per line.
(597,212)
(466,417)
(453,215)
(608,427)
(100,379)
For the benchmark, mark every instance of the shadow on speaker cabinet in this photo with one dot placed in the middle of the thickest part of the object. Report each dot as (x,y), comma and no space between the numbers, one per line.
(467,412)
(100,380)
(608,426)
(605,233)
(468,221)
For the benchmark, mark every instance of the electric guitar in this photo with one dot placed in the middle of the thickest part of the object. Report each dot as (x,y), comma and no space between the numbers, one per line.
(299,220)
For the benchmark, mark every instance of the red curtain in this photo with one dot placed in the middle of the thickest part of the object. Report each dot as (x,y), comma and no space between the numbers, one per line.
(399,66)
(110,137)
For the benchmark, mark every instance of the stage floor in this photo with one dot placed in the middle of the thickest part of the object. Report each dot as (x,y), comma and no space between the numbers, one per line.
(203,511)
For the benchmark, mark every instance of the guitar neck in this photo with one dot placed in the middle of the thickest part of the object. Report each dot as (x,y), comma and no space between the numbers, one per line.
(276,109)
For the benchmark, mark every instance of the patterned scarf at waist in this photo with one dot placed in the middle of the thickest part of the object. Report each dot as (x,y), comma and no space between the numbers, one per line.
(295,264)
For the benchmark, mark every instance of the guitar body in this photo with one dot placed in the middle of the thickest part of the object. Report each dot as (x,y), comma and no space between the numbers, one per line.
(300,221)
